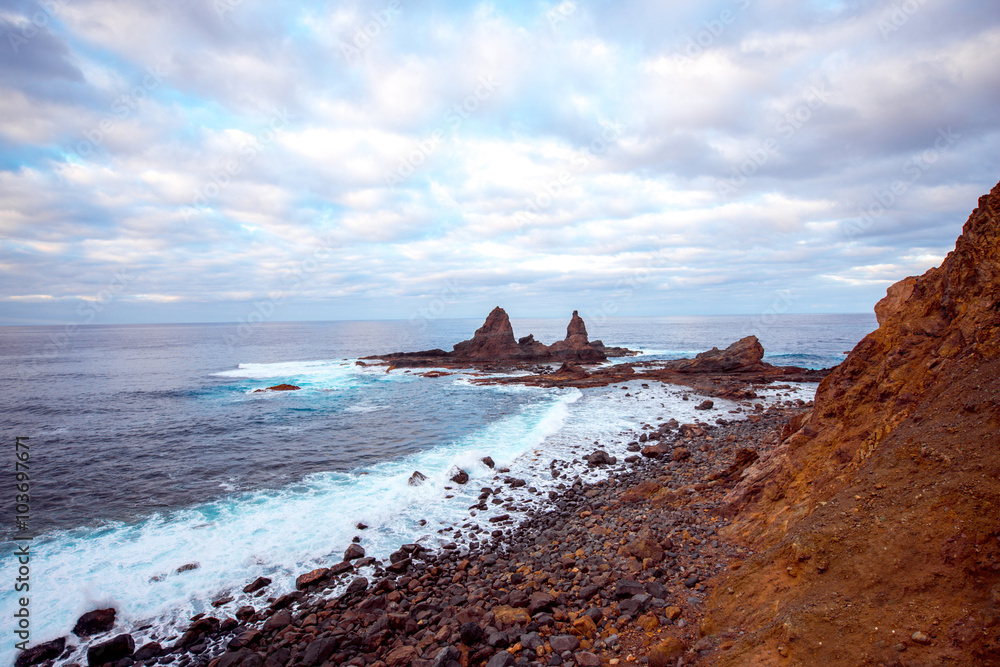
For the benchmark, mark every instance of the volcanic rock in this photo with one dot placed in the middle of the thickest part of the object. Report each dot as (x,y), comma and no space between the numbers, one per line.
(112,650)
(257,584)
(494,341)
(889,490)
(94,622)
(40,653)
(354,552)
(744,355)
(278,387)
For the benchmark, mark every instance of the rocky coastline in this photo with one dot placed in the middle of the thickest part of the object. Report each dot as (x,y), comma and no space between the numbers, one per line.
(861,529)
(612,572)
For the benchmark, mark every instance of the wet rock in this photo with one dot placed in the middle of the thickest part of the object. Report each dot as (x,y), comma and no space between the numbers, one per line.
(356,587)
(248,637)
(488,462)
(354,552)
(277,621)
(340,568)
(188,567)
(459,476)
(417,478)
(112,650)
(241,658)
(656,451)
(149,650)
(40,653)
(304,581)
(319,650)
(600,458)
(286,600)
(94,623)
(257,584)
(278,387)
(705,405)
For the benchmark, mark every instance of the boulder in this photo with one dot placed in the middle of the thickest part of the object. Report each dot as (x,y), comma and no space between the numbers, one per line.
(744,355)
(112,650)
(354,552)
(459,476)
(94,622)
(488,462)
(257,584)
(40,653)
(312,578)
(148,650)
(600,458)
(417,478)
(241,658)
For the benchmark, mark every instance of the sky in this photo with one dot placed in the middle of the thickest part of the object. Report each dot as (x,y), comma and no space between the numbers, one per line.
(245,160)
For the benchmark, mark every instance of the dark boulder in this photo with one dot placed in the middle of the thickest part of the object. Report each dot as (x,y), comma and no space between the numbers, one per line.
(94,623)
(40,653)
(112,650)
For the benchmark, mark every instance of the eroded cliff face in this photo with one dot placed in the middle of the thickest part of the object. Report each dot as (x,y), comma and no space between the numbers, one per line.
(877,520)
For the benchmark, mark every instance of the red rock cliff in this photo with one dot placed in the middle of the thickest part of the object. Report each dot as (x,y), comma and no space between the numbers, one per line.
(877,520)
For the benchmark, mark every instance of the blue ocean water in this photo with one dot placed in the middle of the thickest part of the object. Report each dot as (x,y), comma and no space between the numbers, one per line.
(150,449)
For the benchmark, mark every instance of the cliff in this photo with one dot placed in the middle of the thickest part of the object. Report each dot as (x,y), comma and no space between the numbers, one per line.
(876,522)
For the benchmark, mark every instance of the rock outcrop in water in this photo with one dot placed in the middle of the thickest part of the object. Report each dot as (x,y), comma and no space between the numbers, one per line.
(877,519)
(494,344)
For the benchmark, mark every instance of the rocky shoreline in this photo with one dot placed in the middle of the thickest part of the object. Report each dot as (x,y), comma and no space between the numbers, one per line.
(612,572)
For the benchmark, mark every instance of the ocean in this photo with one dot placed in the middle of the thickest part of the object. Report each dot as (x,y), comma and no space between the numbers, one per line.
(151,451)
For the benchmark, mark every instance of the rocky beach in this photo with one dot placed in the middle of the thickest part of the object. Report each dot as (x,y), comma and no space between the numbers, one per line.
(861,529)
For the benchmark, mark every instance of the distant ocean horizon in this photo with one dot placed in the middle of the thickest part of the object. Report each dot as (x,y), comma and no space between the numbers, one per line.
(151,451)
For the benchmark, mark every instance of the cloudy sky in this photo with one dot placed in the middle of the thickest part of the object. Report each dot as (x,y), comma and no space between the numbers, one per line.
(201,160)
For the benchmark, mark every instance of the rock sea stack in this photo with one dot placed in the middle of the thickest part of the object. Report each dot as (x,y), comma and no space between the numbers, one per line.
(494,344)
